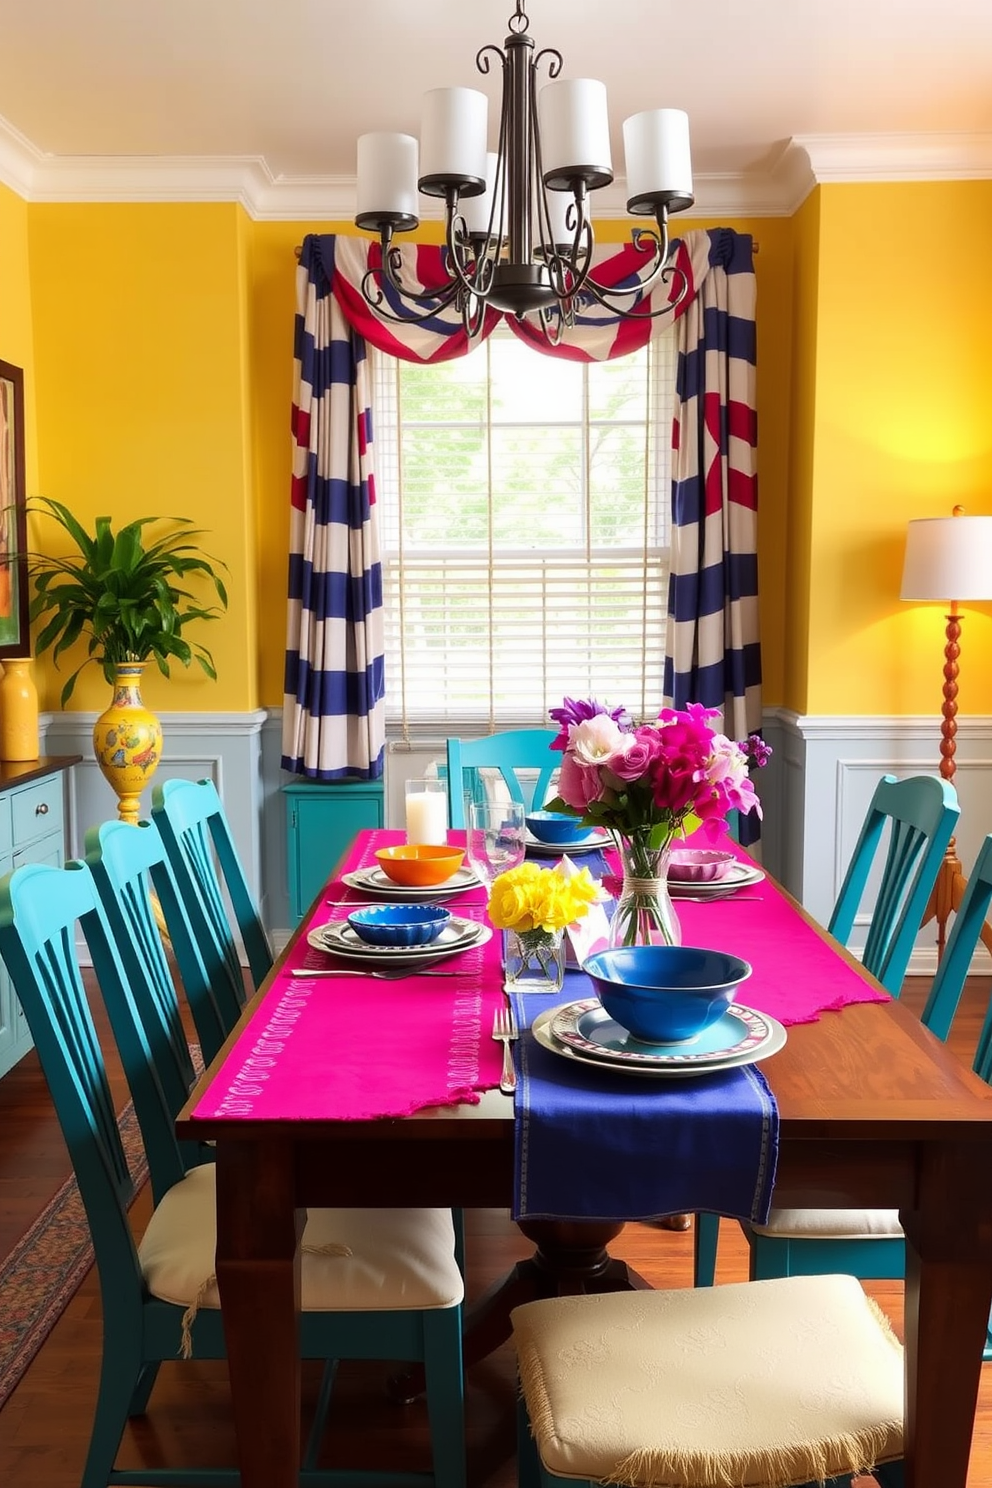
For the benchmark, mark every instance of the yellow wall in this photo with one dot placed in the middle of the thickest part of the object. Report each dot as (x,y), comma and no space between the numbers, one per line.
(16,345)
(158,346)
(142,380)
(902,428)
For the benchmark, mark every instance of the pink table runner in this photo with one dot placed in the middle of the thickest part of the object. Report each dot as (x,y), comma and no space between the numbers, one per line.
(352,1048)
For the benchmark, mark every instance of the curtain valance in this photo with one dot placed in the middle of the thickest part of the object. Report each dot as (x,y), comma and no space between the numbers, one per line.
(339,265)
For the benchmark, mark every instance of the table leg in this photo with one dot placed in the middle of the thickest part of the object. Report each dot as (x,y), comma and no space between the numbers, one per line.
(948,1294)
(258,1276)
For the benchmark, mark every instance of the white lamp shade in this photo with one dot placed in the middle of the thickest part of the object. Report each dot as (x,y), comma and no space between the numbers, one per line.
(575,132)
(656,150)
(453,128)
(387,175)
(948,558)
(476,209)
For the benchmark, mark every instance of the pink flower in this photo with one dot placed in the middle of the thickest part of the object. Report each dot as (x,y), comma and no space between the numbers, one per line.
(579,785)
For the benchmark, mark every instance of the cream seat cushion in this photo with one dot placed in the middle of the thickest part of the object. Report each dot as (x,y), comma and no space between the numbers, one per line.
(758,1384)
(353,1260)
(832,1224)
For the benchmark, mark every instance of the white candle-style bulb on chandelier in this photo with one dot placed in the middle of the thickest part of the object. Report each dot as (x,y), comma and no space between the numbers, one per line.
(518,230)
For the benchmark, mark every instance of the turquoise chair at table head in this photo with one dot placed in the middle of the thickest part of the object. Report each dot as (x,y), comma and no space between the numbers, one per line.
(158,1298)
(867,1243)
(510,752)
(920,813)
(206,867)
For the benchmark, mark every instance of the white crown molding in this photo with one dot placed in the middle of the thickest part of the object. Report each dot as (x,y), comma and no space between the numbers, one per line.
(773,191)
(897,157)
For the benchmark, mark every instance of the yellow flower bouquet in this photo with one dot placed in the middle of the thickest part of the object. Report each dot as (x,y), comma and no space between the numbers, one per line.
(534,905)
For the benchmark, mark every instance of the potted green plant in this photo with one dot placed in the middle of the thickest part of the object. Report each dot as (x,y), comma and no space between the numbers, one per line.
(125,593)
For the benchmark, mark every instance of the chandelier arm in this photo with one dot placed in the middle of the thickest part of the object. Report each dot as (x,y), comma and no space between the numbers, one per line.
(555,65)
(435,301)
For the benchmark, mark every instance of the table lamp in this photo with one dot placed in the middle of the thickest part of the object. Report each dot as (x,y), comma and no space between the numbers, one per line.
(949,561)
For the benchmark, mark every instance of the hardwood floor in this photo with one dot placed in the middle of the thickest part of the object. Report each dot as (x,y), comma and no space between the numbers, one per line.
(44,1428)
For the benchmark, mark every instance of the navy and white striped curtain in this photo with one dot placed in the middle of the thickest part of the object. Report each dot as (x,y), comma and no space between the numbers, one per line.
(333,709)
(333,722)
(713,653)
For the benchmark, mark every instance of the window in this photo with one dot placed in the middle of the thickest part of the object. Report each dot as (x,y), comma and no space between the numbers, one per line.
(523,504)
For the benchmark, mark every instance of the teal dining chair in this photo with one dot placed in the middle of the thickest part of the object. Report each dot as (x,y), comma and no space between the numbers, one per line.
(516,750)
(793,1383)
(920,813)
(129,865)
(867,1243)
(375,1284)
(208,873)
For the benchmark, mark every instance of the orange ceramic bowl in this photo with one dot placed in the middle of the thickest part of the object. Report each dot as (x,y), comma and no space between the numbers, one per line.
(419,866)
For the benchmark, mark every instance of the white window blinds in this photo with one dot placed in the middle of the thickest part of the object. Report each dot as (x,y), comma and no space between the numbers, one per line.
(523,505)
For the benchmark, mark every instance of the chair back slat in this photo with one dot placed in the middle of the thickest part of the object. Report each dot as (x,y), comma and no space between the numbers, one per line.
(509,753)
(147,1024)
(40,906)
(948,984)
(920,813)
(204,862)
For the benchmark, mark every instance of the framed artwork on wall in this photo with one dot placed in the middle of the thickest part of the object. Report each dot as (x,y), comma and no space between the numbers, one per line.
(15,639)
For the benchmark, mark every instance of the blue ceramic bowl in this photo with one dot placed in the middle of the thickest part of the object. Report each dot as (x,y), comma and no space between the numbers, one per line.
(399,924)
(665,994)
(556,828)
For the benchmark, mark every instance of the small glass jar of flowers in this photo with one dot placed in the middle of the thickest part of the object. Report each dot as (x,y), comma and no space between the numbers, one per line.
(649,784)
(533,906)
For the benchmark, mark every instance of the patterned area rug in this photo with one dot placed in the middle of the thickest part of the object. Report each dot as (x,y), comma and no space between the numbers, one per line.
(48,1263)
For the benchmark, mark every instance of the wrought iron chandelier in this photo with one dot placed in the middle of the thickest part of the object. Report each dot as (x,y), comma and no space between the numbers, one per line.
(518,232)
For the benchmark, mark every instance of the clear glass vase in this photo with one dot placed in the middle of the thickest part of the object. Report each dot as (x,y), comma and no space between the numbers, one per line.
(644,913)
(534,960)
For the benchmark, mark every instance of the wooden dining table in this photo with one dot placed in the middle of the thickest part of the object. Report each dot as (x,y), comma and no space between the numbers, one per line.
(873,1112)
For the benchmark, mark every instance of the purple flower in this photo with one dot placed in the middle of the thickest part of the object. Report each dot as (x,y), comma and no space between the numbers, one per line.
(756,751)
(578,710)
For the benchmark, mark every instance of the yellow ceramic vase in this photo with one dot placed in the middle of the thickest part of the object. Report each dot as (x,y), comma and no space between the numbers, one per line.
(127,740)
(18,711)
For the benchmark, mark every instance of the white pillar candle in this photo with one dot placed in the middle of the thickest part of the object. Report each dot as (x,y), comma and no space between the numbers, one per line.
(427,816)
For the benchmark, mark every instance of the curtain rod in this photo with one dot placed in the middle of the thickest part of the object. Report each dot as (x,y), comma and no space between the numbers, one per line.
(755,246)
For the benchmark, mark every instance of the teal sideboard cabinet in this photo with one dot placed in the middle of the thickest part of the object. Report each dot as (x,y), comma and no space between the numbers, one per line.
(32,830)
(321,820)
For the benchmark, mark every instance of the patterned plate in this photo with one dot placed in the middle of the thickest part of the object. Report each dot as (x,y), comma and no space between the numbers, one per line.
(337,938)
(658,1070)
(587,1027)
(377,885)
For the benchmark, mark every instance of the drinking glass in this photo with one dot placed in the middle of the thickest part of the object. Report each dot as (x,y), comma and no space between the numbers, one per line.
(495,838)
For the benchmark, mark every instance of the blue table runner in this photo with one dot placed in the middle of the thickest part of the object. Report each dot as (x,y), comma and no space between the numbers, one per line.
(593,1145)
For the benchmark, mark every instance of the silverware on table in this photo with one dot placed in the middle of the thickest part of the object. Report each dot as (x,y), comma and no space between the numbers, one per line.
(396,975)
(505,1030)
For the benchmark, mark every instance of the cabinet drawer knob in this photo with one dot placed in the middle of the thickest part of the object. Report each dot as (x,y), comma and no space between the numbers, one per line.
(41,809)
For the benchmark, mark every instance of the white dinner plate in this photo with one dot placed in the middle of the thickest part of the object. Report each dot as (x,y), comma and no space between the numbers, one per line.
(595,840)
(378,885)
(337,938)
(542,1034)
(739,876)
